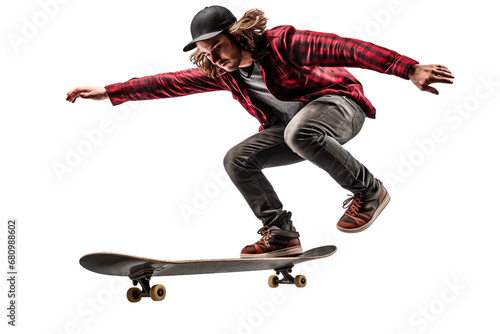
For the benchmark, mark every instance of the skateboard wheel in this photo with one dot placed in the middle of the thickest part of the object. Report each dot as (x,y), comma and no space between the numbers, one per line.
(158,292)
(300,281)
(133,295)
(273,281)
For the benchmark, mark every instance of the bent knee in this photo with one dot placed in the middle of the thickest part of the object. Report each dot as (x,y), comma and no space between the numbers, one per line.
(236,160)
(230,159)
(300,138)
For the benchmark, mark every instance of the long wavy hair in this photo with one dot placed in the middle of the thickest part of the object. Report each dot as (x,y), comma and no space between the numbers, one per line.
(247,33)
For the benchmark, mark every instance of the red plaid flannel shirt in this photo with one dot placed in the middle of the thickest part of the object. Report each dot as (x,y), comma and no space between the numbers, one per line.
(301,66)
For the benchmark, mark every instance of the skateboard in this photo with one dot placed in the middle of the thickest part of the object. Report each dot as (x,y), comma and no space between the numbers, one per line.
(140,270)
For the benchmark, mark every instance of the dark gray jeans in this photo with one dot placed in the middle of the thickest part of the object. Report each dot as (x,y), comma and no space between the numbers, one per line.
(317,134)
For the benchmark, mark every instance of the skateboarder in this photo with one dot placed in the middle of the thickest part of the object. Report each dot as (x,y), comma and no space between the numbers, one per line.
(295,84)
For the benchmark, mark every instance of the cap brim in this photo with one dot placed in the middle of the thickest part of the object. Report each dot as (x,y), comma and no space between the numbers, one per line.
(192,44)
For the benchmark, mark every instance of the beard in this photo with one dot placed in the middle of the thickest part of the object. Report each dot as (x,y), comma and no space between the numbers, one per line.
(230,65)
(233,62)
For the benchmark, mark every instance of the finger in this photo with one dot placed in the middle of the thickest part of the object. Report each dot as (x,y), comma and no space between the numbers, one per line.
(72,94)
(442,73)
(69,96)
(441,79)
(75,96)
(447,74)
(443,70)
(430,89)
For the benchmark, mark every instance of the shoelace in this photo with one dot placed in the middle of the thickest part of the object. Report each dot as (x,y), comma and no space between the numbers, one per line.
(263,230)
(265,233)
(355,205)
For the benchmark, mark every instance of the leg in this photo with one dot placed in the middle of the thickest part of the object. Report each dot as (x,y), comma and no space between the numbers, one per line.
(317,134)
(244,164)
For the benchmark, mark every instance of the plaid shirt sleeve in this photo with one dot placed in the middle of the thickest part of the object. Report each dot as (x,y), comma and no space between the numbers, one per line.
(308,48)
(164,85)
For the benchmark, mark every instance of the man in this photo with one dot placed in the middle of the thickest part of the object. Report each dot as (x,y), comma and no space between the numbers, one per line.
(308,105)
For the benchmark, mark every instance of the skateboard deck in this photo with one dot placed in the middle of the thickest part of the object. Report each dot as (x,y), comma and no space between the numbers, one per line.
(141,270)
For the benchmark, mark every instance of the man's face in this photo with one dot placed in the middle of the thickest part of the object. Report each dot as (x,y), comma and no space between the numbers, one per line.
(221,51)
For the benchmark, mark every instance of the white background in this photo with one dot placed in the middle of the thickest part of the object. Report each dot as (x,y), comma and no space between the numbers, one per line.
(426,266)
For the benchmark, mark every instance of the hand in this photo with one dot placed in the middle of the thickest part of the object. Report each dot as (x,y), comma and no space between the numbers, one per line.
(425,75)
(93,93)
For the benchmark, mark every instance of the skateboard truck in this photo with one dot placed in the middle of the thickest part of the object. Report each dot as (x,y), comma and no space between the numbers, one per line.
(156,292)
(274,281)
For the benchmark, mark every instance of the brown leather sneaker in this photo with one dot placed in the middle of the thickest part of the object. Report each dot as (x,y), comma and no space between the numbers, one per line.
(275,242)
(363,210)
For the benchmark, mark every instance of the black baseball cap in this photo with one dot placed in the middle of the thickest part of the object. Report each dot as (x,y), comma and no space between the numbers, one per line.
(208,23)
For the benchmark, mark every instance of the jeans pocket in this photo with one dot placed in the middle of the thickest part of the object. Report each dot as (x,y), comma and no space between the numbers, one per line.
(357,121)
(358,117)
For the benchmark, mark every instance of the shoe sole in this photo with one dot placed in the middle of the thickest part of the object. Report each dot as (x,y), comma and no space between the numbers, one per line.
(379,210)
(278,253)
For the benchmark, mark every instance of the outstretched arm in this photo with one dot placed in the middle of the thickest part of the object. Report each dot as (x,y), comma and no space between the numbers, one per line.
(425,75)
(157,86)
(311,48)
